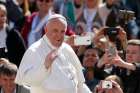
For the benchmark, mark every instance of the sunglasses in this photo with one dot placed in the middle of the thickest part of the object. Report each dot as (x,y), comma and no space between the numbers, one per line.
(47,1)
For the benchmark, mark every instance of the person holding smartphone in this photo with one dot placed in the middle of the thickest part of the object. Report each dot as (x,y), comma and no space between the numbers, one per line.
(129,69)
(111,84)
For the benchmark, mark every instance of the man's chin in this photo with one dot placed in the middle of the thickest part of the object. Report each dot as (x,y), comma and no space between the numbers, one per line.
(58,45)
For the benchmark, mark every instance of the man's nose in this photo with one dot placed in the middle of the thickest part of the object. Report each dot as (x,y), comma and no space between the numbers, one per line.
(60,35)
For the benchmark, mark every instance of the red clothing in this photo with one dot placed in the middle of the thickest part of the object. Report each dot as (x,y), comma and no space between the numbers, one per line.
(28,24)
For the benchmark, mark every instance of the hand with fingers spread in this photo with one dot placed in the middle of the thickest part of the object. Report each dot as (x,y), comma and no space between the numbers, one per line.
(106,58)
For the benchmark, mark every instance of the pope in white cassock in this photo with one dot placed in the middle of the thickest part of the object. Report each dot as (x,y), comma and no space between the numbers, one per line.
(50,65)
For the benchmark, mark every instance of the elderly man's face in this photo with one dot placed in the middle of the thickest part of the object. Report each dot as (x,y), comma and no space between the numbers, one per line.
(133,53)
(55,31)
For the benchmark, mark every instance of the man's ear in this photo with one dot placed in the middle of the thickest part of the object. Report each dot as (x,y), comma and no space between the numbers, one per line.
(45,29)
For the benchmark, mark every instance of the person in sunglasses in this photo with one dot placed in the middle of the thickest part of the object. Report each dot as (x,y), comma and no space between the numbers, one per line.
(33,28)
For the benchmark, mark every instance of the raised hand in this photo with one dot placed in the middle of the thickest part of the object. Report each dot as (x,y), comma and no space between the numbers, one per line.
(50,58)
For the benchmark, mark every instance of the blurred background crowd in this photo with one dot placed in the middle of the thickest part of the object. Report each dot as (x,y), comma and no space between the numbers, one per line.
(112,25)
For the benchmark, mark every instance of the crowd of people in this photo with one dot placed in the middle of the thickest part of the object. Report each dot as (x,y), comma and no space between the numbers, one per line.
(69,46)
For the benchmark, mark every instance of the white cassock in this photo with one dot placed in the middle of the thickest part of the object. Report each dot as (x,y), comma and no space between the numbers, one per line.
(64,76)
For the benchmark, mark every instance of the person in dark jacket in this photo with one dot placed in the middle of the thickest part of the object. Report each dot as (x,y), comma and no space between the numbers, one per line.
(11,43)
(128,70)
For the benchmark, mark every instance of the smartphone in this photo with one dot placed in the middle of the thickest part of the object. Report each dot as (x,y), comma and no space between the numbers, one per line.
(82,40)
(106,84)
(111,31)
(66,37)
(112,50)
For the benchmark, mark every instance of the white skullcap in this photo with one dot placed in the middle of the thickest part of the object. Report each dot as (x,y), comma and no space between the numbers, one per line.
(57,16)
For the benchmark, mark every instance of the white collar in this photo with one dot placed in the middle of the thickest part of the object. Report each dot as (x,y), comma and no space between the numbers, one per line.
(45,38)
(2,91)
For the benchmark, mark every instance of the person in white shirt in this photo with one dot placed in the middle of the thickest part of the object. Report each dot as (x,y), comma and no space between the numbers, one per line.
(50,65)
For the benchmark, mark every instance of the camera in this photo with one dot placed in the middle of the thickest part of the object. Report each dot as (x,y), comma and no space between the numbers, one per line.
(107,84)
(126,15)
(82,40)
(111,32)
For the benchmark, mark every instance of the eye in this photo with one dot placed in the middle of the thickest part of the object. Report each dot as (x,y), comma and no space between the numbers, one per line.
(63,31)
(4,79)
(55,30)
(94,55)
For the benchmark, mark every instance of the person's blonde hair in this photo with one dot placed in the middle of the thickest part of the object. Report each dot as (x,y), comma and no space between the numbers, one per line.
(4,61)
(115,78)
(3,8)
